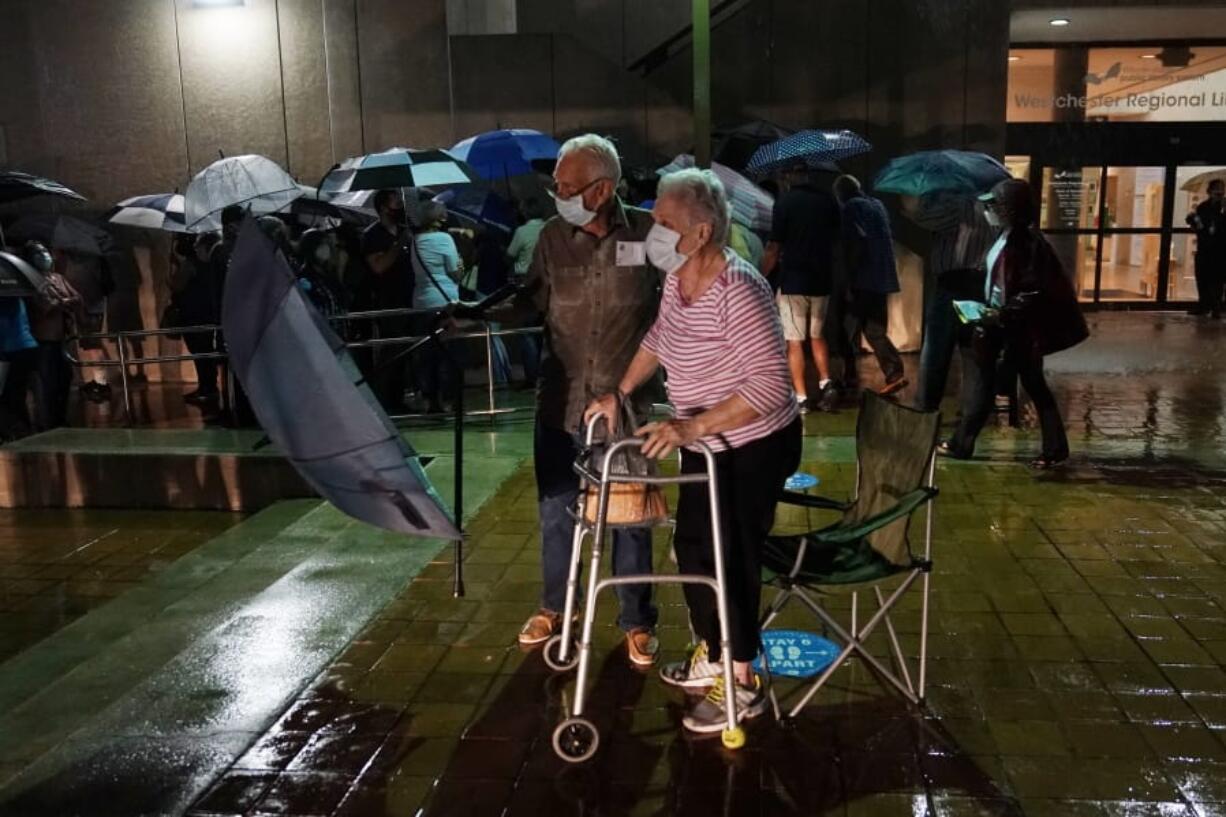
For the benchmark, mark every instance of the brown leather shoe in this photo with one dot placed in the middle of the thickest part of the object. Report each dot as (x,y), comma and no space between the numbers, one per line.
(537,629)
(642,646)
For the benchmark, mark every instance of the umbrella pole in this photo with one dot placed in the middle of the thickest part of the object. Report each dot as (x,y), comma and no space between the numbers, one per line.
(458,588)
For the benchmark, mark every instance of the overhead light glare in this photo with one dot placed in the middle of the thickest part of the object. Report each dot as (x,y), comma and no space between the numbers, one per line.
(212,4)
(1059,22)
(1149,56)
(1014,58)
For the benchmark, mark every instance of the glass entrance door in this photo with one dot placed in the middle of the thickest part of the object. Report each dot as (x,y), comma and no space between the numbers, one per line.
(1191,188)
(1120,230)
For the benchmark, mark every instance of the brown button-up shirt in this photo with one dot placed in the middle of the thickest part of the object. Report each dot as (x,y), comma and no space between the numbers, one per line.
(596,311)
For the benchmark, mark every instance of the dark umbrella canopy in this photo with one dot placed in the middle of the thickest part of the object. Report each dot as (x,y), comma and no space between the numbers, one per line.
(940,171)
(18,278)
(736,145)
(66,233)
(304,389)
(15,186)
(812,148)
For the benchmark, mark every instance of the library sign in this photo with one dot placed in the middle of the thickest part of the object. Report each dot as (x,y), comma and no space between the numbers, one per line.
(1199,105)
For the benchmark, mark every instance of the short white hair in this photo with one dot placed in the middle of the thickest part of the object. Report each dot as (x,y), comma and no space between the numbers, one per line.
(704,198)
(599,148)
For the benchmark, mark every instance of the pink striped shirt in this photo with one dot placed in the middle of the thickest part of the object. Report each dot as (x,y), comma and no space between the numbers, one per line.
(729,341)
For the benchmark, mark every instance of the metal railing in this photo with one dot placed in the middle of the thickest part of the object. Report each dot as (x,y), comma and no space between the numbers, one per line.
(124,359)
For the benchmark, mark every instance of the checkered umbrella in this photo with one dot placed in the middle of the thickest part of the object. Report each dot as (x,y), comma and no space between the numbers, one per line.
(813,148)
(751,205)
(257,183)
(398,168)
(163,211)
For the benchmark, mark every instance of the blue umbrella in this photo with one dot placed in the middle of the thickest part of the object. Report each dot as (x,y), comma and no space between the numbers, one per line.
(814,148)
(499,154)
(312,402)
(480,204)
(931,171)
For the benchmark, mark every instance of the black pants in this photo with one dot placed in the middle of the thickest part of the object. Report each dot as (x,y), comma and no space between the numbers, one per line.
(14,408)
(943,333)
(202,343)
(1210,277)
(391,379)
(750,480)
(866,314)
(979,398)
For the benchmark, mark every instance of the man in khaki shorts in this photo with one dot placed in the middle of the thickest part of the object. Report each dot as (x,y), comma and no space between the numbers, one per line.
(804,232)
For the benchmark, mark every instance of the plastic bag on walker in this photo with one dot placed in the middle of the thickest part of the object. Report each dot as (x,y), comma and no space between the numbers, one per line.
(630,503)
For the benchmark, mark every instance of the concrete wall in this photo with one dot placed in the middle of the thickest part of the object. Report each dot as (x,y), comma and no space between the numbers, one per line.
(137,95)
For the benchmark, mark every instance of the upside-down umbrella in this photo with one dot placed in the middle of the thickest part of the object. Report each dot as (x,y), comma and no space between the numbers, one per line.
(15,186)
(751,205)
(255,182)
(398,168)
(312,402)
(66,233)
(813,148)
(946,171)
(162,211)
(500,154)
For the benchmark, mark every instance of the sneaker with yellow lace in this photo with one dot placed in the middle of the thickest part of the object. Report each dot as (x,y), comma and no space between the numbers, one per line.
(697,672)
(710,715)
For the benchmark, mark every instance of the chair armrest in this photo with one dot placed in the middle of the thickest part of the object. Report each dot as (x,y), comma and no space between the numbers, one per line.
(809,501)
(904,507)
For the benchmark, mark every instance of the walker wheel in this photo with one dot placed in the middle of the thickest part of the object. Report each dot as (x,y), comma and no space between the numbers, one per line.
(576,740)
(553,651)
(733,738)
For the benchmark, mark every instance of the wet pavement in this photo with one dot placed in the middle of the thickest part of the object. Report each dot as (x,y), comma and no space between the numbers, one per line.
(301,665)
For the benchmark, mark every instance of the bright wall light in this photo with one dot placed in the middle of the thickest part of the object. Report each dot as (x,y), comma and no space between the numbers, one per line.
(205,4)
(1059,21)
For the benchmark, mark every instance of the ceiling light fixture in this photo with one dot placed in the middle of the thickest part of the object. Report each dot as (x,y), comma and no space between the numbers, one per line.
(212,4)
(1059,22)
(1149,56)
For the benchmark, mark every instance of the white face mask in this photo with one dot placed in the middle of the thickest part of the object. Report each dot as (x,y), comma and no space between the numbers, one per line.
(662,248)
(573,211)
(992,218)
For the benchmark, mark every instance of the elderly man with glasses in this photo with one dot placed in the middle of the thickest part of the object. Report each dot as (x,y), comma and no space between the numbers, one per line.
(598,295)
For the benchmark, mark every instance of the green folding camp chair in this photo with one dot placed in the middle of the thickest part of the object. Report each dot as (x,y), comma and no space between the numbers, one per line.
(895,449)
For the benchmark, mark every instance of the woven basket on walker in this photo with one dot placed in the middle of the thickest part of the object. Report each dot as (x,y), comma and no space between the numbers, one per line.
(629,503)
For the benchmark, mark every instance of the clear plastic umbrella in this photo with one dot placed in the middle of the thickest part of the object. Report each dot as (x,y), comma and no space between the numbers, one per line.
(256,182)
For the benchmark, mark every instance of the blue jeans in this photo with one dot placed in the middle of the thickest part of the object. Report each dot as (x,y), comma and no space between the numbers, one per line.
(943,332)
(557,489)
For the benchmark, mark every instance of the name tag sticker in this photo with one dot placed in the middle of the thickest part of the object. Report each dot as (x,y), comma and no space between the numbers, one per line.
(631,253)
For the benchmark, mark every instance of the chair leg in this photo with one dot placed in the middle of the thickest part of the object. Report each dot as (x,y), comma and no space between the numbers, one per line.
(856,644)
(900,660)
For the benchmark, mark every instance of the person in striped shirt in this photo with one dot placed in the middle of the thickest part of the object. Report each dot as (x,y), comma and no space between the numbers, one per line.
(719,339)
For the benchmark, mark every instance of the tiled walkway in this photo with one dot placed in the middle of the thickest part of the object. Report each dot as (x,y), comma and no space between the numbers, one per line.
(1078,646)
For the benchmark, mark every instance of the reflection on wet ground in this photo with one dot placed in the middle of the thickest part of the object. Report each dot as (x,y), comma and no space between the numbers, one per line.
(57,565)
(1077,651)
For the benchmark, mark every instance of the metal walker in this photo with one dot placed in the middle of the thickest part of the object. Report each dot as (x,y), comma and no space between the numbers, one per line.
(576,738)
